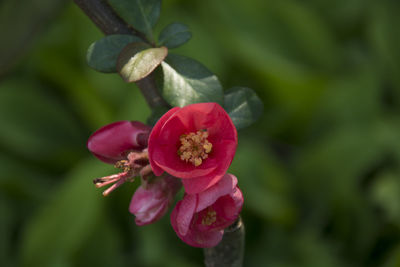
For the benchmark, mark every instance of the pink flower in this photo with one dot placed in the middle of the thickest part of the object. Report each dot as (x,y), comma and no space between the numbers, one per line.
(196,143)
(113,142)
(123,143)
(150,203)
(199,220)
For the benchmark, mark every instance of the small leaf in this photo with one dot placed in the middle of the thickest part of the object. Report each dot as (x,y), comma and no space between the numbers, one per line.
(174,35)
(141,14)
(243,106)
(186,81)
(102,55)
(137,60)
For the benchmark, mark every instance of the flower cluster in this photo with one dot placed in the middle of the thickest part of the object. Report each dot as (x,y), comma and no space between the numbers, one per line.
(191,146)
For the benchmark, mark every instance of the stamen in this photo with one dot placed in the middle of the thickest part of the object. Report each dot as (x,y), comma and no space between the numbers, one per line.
(210,217)
(194,147)
(99,183)
(122,164)
(103,181)
(106,179)
(113,187)
(137,163)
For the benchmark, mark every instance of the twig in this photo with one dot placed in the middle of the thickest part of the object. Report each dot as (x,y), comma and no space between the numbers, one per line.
(149,90)
(104,17)
(109,23)
(229,252)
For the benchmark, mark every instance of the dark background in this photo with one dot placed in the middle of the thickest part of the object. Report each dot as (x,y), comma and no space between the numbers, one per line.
(319,170)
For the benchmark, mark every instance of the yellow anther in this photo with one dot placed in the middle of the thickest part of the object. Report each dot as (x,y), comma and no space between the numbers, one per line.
(194,147)
(122,164)
(210,217)
(197,161)
(207,147)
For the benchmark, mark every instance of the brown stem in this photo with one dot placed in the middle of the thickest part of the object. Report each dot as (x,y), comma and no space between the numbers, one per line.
(229,252)
(104,17)
(110,23)
(149,90)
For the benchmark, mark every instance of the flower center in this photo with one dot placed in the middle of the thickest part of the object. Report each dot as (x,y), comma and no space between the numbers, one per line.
(210,217)
(194,147)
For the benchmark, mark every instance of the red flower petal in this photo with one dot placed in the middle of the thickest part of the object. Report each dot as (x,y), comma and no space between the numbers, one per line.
(154,137)
(224,187)
(206,239)
(199,219)
(181,226)
(186,209)
(111,142)
(164,143)
(199,184)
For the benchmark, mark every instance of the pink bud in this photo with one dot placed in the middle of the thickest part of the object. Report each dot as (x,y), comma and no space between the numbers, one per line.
(114,141)
(200,219)
(151,203)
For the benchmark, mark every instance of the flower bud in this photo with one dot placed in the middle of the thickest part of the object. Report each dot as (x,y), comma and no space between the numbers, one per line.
(114,141)
(150,203)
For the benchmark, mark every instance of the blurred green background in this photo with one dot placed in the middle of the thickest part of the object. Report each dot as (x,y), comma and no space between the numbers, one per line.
(319,170)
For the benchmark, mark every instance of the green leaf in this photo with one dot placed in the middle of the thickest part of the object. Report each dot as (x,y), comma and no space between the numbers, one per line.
(59,228)
(137,60)
(243,106)
(141,14)
(186,81)
(174,35)
(102,55)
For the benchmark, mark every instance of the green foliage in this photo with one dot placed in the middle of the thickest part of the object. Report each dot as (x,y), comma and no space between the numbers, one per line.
(137,60)
(185,81)
(25,28)
(319,170)
(174,35)
(8,218)
(141,14)
(60,227)
(102,55)
(385,193)
(243,106)
(273,191)
(33,131)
